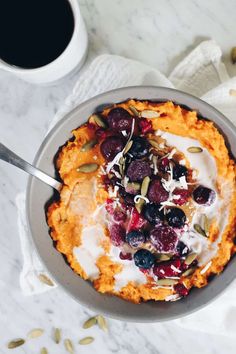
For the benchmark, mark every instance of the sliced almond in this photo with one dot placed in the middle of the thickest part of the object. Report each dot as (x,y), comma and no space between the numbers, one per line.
(57,335)
(86,340)
(134,111)
(69,345)
(102,323)
(89,145)
(188,272)
(145,185)
(44,351)
(128,146)
(190,258)
(99,120)
(167,281)
(90,322)
(154,143)
(35,333)
(199,230)
(146,113)
(195,149)
(88,167)
(233,55)
(15,343)
(45,279)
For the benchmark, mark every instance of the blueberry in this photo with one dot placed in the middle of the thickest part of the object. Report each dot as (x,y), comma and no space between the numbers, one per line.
(203,195)
(144,259)
(138,169)
(176,217)
(135,238)
(153,214)
(119,119)
(111,147)
(179,171)
(182,249)
(139,148)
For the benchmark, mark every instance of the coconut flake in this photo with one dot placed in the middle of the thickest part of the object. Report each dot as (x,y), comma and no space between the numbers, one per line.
(183,182)
(139,196)
(171,154)
(207,266)
(173,297)
(113,193)
(175,269)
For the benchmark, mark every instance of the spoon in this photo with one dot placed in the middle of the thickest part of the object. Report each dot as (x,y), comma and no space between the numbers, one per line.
(10,157)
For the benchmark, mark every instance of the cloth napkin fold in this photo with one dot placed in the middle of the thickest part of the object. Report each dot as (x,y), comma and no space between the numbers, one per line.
(202,74)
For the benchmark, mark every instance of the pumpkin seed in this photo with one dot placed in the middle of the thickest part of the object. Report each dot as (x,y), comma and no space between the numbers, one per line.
(139,205)
(188,272)
(199,229)
(149,114)
(163,257)
(99,121)
(44,351)
(128,146)
(102,323)
(190,258)
(145,185)
(57,335)
(45,279)
(69,346)
(232,92)
(90,322)
(15,343)
(35,333)
(154,143)
(206,223)
(194,149)
(167,281)
(89,145)
(132,186)
(88,168)
(233,55)
(86,340)
(134,111)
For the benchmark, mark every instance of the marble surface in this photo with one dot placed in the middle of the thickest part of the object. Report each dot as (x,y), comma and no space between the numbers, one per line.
(158,33)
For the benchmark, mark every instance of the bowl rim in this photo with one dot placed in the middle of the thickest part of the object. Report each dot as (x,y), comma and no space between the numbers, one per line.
(91,101)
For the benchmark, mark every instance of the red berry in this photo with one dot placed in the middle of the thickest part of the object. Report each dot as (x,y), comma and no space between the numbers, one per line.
(119,216)
(138,169)
(167,269)
(145,126)
(164,164)
(110,206)
(117,235)
(125,256)
(204,196)
(164,239)
(136,221)
(181,289)
(156,192)
(183,196)
(119,119)
(111,146)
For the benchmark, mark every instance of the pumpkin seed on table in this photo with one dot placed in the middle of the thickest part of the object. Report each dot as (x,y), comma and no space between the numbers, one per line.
(15,343)
(195,149)
(88,167)
(190,258)
(44,351)
(146,113)
(89,145)
(99,121)
(199,229)
(102,323)
(69,345)
(57,335)
(233,55)
(167,281)
(35,333)
(134,111)
(90,322)
(145,185)
(45,279)
(86,340)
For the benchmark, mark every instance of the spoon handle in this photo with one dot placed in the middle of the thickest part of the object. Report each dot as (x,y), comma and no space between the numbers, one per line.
(10,157)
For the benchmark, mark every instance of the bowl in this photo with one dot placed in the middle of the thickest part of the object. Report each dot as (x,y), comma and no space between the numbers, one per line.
(38,195)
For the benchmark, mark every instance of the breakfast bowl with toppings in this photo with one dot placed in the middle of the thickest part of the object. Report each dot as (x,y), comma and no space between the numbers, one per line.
(143,228)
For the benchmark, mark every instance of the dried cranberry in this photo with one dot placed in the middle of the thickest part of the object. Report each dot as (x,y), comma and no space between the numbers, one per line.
(125,256)
(179,171)
(164,239)
(176,217)
(152,213)
(110,206)
(119,119)
(135,238)
(204,196)
(167,269)
(136,221)
(117,235)
(183,196)
(156,192)
(119,216)
(145,126)
(111,147)
(181,289)
(138,169)
(164,165)
(139,147)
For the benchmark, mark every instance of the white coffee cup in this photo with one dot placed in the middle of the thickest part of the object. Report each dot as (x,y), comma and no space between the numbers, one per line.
(71,59)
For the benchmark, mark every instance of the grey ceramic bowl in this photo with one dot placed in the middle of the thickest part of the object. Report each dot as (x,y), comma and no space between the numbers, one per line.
(38,194)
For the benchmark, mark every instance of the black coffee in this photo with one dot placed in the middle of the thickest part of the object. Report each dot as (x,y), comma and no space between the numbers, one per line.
(33,33)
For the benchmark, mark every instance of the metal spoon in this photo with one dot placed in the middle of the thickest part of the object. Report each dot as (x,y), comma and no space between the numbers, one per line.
(10,157)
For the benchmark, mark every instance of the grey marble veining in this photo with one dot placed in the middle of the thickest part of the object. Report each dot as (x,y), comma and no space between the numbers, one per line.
(158,33)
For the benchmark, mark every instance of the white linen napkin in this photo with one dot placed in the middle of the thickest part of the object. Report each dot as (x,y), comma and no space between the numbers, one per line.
(202,74)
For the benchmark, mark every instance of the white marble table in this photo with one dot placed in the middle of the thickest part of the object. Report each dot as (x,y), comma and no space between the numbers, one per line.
(158,33)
